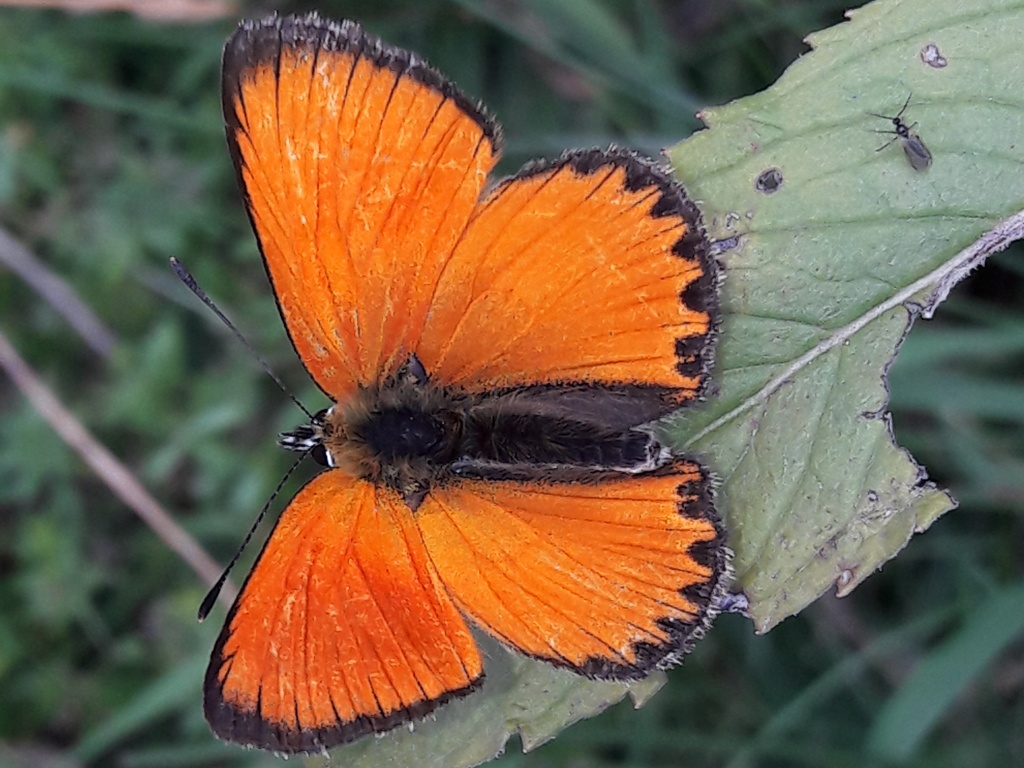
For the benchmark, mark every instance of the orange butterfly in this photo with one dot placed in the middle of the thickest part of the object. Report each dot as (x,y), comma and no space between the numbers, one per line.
(490,354)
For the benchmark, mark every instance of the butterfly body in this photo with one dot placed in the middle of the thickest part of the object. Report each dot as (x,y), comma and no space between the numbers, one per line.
(494,354)
(411,435)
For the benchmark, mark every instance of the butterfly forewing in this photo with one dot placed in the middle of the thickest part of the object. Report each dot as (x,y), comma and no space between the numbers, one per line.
(360,169)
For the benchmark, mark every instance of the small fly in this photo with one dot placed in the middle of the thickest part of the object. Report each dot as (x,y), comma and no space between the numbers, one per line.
(915,150)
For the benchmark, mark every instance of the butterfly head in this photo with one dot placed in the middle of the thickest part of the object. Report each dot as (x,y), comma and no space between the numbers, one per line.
(309,438)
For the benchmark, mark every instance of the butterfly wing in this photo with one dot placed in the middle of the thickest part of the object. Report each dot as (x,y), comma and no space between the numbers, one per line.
(591,268)
(611,580)
(360,168)
(342,628)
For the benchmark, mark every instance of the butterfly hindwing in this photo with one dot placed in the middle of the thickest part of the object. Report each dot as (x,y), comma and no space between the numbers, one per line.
(360,167)
(611,579)
(342,628)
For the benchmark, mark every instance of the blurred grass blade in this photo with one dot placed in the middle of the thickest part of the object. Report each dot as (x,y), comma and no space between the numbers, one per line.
(832,683)
(930,692)
(584,37)
(174,690)
(99,96)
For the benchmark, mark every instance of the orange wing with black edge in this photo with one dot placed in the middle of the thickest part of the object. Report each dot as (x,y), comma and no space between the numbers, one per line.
(341,629)
(611,579)
(360,167)
(591,268)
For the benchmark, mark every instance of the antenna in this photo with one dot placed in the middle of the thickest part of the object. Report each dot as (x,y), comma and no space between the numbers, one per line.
(186,277)
(211,597)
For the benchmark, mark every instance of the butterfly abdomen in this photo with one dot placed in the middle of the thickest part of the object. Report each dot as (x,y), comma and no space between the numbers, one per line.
(510,437)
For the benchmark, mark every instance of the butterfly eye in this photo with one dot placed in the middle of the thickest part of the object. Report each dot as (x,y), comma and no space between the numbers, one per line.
(322,456)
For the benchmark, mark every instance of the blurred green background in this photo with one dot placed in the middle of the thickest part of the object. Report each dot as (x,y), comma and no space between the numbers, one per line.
(112,160)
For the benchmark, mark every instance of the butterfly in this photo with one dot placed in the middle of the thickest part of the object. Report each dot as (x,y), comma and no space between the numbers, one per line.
(493,353)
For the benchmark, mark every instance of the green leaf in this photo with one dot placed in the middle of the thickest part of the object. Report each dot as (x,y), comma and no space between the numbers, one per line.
(823,277)
(821,283)
(520,696)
